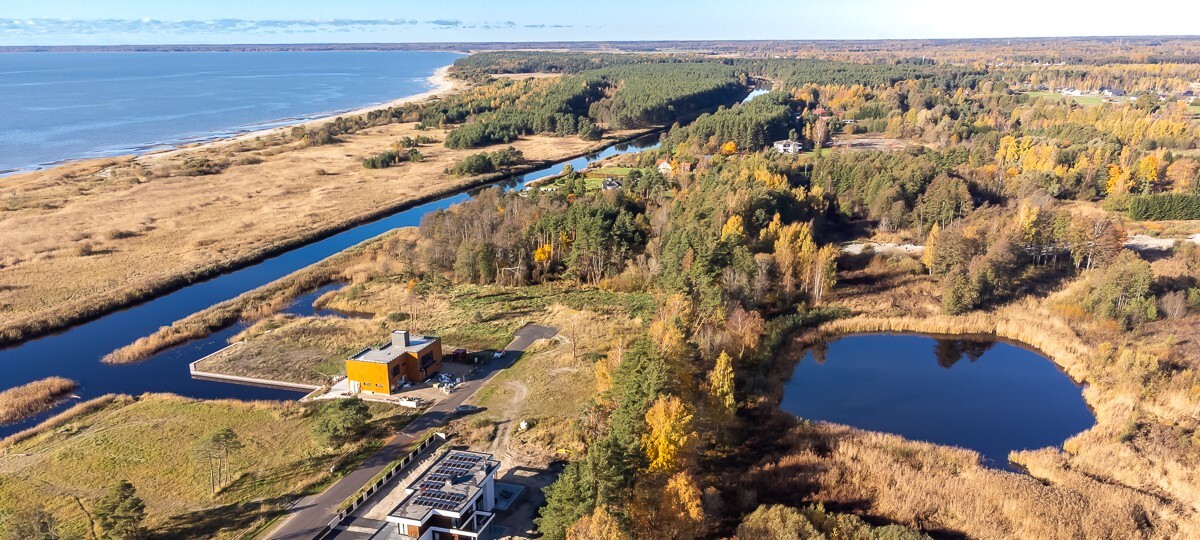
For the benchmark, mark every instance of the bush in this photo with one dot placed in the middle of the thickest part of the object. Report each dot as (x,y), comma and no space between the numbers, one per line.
(483,163)
(340,420)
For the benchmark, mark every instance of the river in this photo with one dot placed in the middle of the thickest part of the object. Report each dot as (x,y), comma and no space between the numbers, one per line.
(75,353)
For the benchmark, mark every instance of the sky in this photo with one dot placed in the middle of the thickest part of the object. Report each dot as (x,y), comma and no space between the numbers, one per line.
(112,22)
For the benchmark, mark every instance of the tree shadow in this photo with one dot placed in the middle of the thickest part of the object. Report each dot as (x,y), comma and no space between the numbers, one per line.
(209,522)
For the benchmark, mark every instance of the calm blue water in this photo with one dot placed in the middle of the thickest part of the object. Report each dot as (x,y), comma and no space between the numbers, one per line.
(60,106)
(988,396)
(75,353)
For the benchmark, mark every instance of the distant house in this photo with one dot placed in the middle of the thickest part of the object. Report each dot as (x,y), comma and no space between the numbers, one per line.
(1112,92)
(406,358)
(664,166)
(454,498)
(610,184)
(788,147)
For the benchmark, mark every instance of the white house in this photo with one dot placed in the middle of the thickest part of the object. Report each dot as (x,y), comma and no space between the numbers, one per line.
(454,498)
(788,147)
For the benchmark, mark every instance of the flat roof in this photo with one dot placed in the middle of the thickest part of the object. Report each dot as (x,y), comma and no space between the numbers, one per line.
(391,351)
(450,484)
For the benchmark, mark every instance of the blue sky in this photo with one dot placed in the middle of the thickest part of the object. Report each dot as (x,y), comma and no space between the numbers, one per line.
(78,22)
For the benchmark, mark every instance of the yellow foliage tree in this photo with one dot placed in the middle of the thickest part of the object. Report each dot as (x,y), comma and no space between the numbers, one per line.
(600,525)
(669,434)
(931,245)
(729,148)
(720,385)
(542,254)
(824,271)
(1147,172)
(794,248)
(1182,174)
(734,228)
(680,515)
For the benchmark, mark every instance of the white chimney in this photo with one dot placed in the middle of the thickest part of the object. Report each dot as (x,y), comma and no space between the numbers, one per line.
(400,338)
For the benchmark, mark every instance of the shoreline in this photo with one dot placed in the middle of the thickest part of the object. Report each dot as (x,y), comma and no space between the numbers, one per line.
(439,82)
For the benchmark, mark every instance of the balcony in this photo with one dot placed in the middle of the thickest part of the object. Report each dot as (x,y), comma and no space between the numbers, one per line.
(475,523)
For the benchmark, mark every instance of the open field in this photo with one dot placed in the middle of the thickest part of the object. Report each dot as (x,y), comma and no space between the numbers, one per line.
(1088,100)
(149,441)
(87,237)
(29,399)
(549,388)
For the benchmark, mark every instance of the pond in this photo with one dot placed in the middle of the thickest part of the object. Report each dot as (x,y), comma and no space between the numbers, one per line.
(987,395)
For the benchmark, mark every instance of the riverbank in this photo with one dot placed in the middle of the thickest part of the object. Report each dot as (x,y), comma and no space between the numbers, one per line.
(71,234)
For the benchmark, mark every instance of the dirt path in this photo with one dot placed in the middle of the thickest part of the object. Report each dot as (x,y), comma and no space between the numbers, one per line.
(507,421)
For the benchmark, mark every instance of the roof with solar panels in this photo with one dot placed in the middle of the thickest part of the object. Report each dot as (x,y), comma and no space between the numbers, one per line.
(449,486)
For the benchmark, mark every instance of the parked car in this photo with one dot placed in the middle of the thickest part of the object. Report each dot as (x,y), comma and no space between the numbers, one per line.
(465,409)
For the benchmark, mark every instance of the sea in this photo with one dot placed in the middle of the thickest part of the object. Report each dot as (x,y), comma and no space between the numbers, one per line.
(59,106)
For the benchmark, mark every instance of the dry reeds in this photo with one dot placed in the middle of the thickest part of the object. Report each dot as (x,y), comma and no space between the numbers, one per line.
(940,488)
(62,418)
(29,399)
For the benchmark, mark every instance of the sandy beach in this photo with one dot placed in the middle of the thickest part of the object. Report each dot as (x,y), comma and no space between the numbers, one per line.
(441,83)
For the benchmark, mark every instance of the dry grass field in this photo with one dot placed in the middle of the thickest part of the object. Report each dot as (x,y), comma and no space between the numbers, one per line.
(65,465)
(87,237)
(1132,475)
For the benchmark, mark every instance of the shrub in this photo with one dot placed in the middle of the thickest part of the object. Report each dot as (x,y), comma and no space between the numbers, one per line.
(340,420)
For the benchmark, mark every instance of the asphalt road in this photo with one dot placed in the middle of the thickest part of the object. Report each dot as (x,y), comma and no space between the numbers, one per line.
(312,513)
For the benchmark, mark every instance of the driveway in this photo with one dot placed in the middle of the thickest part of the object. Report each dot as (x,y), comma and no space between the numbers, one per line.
(314,512)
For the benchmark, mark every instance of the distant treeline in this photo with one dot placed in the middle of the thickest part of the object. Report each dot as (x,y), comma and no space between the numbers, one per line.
(621,97)
(490,63)
(1163,206)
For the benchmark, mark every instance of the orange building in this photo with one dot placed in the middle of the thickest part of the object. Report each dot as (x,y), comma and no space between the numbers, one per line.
(406,358)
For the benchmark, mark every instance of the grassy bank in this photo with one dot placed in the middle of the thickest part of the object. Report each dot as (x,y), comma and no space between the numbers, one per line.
(32,398)
(67,464)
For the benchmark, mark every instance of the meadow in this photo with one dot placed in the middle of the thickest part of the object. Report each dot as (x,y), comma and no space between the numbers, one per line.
(65,465)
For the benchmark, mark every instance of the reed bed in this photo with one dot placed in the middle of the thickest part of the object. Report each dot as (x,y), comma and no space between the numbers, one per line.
(942,488)
(29,399)
(64,417)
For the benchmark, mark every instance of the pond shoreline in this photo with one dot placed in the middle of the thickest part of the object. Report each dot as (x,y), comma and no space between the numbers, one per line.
(1005,398)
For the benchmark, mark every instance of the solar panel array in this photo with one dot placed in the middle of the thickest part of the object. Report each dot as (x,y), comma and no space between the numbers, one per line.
(453,465)
(440,499)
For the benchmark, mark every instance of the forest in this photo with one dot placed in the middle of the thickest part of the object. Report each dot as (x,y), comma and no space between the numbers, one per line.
(738,249)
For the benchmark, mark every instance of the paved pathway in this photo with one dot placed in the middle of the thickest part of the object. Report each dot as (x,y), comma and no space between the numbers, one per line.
(314,512)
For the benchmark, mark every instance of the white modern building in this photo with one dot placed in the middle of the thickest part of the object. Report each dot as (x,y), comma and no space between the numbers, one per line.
(454,499)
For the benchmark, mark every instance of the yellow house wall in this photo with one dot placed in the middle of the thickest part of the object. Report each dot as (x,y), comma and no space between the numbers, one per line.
(372,376)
